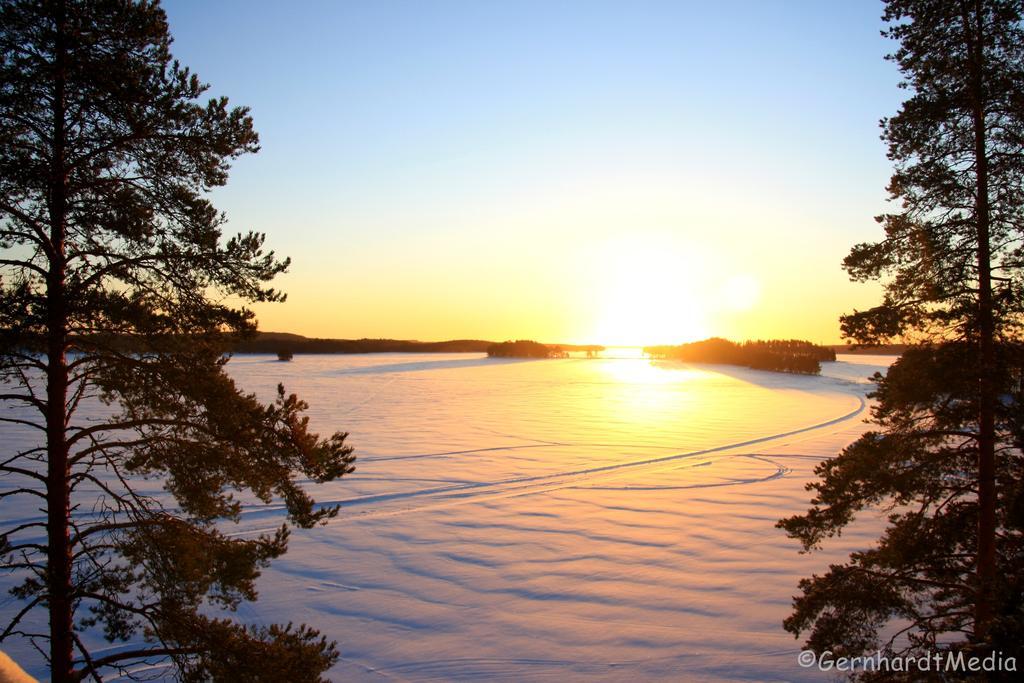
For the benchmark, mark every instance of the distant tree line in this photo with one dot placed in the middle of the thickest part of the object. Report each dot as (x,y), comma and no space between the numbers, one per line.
(525,348)
(277,342)
(290,344)
(779,355)
(285,345)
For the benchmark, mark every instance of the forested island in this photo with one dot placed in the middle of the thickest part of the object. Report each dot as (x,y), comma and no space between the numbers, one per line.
(527,348)
(780,355)
(524,348)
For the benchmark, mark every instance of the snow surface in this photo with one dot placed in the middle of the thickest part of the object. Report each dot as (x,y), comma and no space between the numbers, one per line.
(608,519)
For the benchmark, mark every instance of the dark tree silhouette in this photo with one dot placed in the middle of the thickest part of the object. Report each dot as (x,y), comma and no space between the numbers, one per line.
(946,458)
(778,355)
(272,343)
(524,348)
(115,283)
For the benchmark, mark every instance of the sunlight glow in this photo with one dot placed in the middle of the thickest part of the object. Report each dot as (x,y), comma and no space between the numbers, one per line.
(741,292)
(649,293)
(645,371)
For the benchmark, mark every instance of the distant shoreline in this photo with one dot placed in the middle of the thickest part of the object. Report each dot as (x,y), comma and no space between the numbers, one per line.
(275,342)
(278,342)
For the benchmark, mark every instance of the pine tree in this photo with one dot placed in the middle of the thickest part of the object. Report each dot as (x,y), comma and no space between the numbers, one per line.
(945,460)
(119,288)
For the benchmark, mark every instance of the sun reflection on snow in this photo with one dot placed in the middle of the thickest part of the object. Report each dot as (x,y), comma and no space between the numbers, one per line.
(639,369)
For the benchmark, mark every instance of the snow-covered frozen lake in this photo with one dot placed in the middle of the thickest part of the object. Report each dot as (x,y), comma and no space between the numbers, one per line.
(607,519)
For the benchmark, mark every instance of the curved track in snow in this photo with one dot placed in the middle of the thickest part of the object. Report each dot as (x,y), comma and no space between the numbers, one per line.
(391,504)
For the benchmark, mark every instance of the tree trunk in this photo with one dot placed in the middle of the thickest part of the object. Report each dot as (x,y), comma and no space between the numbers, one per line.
(58,501)
(986,567)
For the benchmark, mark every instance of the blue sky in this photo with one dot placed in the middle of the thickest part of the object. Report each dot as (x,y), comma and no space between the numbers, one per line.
(424,162)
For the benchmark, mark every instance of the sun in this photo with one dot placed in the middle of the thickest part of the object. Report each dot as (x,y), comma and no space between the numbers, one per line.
(653,288)
(649,294)
(634,315)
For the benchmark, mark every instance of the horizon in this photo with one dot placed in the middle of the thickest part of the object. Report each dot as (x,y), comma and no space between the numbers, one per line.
(621,175)
(561,343)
